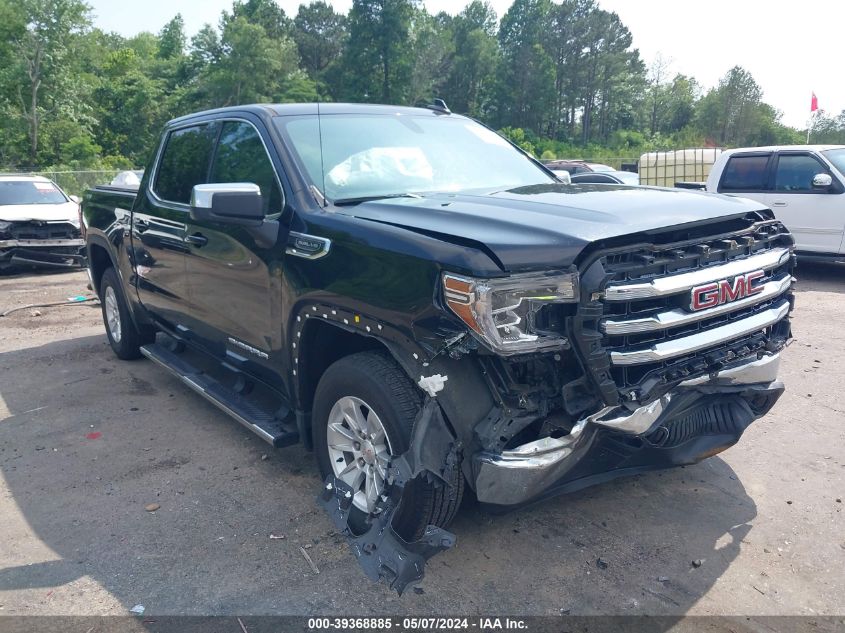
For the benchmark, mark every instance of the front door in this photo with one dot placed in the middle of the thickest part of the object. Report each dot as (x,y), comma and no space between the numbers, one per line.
(815,217)
(159,221)
(235,281)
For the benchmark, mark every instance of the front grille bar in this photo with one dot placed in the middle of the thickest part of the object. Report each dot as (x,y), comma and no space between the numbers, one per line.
(675,284)
(678,317)
(689,344)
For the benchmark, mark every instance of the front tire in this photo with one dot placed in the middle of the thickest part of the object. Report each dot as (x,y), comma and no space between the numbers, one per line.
(125,339)
(364,412)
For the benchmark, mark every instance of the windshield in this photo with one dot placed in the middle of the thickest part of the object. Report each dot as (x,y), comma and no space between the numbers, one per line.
(600,167)
(377,155)
(837,157)
(29,192)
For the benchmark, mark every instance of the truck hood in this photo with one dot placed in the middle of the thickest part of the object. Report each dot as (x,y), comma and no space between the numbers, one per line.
(547,226)
(65,212)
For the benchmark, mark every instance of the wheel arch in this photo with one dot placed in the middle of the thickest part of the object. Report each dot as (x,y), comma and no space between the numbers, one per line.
(322,335)
(99,259)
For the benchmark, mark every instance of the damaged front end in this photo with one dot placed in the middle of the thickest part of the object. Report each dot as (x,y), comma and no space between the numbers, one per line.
(696,420)
(559,381)
(671,352)
(382,553)
(40,244)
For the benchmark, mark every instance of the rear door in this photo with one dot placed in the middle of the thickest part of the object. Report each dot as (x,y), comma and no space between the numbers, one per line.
(815,217)
(747,175)
(235,282)
(159,221)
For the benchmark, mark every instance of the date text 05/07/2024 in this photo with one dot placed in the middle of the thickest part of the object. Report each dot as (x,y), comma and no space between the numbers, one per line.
(417,624)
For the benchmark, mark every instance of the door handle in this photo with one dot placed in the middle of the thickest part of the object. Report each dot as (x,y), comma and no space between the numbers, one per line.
(197,239)
(779,203)
(141,225)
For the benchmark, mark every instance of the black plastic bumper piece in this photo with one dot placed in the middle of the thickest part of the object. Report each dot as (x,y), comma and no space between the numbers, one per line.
(33,257)
(381,552)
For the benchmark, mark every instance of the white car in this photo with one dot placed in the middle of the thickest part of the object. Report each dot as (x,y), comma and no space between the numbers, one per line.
(39,224)
(803,184)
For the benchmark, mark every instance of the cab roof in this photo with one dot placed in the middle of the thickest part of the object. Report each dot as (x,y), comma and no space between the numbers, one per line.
(23,178)
(299,109)
(791,148)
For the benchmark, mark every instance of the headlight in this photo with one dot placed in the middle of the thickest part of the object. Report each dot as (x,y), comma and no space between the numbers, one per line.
(502,312)
(5,226)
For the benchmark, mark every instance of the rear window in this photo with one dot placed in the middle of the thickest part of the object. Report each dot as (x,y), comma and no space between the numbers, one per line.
(745,173)
(29,192)
(185,162)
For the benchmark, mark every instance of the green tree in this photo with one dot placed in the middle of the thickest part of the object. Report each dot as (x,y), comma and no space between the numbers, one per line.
(377,59)
(254,67)
(828,129)
(44,59)
(432,48)
(264,13)
(729,112)
(131,106)
(565,40)
(320,33)
(680,101)
(526,73)
(172,39)
(471,79)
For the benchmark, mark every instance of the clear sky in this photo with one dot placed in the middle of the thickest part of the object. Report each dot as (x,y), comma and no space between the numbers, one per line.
(791,49)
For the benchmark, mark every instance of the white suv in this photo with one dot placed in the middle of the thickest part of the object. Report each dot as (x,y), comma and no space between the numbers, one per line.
(39,224)
(802,184)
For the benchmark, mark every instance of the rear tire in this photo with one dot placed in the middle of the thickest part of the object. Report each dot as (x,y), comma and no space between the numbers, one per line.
(125,339)
(379,384)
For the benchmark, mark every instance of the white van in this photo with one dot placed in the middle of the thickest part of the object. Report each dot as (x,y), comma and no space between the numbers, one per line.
(803,184)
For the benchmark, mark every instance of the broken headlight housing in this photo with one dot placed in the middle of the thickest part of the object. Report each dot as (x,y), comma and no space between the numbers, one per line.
(502,312)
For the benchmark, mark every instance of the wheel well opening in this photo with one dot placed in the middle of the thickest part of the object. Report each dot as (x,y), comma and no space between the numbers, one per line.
(322,344)
(99,261)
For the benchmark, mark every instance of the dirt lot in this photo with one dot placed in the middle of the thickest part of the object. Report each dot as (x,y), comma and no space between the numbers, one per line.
(87,441)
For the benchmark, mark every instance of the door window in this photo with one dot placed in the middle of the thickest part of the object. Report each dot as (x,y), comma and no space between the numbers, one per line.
(745,173)
(241,157)
(795,172)
(184,162)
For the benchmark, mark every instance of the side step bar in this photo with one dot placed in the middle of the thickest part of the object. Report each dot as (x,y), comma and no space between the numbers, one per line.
(266,425)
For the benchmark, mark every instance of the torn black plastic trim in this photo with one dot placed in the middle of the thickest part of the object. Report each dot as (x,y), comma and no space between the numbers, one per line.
(434,454)
(381,552)
(433,451)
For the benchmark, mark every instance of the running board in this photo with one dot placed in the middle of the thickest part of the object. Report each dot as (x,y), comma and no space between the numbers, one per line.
(266,425)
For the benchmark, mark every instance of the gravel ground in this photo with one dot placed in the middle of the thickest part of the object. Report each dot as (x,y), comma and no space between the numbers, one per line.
(87,441)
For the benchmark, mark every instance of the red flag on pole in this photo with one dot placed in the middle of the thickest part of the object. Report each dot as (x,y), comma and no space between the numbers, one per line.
(814,103)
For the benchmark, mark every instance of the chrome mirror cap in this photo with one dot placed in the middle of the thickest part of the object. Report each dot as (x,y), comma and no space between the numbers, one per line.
(202,196)
(822,180)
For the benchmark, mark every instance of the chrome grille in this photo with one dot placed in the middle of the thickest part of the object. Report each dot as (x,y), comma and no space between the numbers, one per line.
(649,331)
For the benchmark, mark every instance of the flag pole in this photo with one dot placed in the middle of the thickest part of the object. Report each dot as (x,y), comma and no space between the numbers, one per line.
(814,107)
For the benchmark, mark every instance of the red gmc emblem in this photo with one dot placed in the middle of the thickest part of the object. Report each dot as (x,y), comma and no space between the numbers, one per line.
(724,291)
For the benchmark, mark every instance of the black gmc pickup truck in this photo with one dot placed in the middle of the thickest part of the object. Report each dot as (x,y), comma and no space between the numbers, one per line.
(427,308)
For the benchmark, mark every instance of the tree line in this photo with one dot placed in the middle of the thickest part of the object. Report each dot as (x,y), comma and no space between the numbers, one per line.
(560,78)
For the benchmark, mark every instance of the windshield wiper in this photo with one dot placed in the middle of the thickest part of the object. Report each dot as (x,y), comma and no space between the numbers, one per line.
(350,201)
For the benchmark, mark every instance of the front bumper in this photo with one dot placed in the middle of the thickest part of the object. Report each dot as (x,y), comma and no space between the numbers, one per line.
(699,418)
(48,253)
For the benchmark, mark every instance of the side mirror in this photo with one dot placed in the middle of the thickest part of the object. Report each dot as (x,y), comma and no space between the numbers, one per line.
(228,203)
(563,176)
(75,199)
(822,181)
